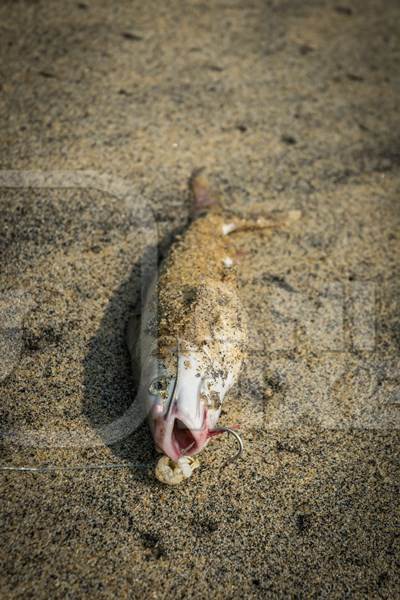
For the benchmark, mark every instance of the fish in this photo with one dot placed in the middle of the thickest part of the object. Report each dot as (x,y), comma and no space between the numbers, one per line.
(192,339)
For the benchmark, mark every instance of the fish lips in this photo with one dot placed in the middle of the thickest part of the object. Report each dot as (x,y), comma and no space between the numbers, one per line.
(177,437)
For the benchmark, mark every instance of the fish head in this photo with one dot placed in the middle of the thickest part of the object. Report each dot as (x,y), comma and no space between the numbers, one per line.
(184,407)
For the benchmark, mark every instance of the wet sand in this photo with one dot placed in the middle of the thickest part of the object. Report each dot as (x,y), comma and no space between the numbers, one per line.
(289,105)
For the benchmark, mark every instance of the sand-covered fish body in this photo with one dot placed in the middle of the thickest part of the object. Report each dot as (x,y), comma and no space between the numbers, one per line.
(193,335)
(192,338)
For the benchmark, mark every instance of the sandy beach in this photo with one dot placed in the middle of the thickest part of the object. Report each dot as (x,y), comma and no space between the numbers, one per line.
(105,110)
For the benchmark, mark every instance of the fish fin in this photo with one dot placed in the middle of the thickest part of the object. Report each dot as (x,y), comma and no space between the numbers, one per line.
(133,342)
(202,197)
(278,219)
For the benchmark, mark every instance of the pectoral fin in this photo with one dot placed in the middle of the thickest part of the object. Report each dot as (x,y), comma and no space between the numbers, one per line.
(279,219)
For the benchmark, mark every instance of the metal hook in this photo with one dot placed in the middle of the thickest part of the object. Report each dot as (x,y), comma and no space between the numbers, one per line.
(238,440)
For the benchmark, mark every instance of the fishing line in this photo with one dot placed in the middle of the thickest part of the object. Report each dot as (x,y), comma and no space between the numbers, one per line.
(89,467)
(116,466)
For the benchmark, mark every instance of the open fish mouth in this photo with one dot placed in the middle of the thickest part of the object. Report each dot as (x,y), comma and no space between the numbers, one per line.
(178,435)
(183,439)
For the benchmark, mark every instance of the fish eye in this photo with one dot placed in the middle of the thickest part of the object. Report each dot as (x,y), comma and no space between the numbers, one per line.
(159,386)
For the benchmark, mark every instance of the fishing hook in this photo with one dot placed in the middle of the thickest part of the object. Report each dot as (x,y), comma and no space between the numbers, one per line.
(238,441)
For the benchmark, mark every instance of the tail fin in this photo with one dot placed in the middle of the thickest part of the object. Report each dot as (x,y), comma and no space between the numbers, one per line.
(203,197)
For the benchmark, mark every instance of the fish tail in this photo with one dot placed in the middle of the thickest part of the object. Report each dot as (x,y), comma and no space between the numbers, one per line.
(203,197)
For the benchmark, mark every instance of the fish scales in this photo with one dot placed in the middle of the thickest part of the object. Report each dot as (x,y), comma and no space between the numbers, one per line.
(198,301)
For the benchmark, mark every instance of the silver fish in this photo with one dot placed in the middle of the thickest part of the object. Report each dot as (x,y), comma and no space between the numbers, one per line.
(193,332)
